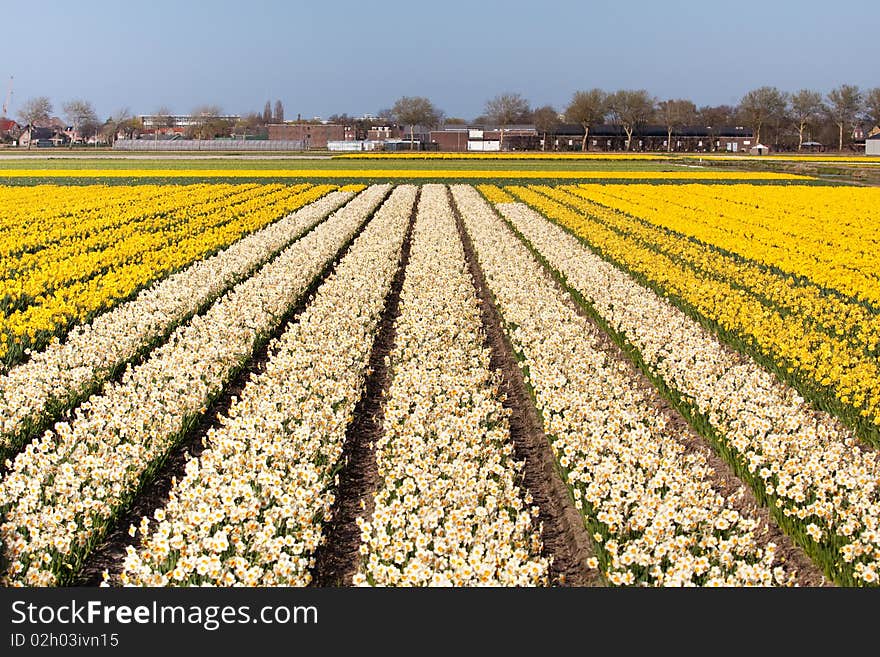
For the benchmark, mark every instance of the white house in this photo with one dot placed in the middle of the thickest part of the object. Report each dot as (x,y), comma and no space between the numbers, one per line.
(872,145)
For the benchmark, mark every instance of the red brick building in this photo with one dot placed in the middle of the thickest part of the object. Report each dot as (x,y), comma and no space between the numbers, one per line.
(315,135)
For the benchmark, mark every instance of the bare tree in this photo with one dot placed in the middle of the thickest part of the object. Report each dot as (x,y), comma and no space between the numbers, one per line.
(415,110)
(162,118)
(120,121)
(631,109)
(806,109)
(546,119)
(588,108)
(81,114)
(872,106)
(507,109)
(207,121)
(251,123)
(761,106)
(35,110)
(112,126)
(267,112)
(844,105)
(676,114)
(278,115)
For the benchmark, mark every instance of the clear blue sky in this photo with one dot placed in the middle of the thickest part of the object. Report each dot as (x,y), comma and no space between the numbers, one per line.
(358,57)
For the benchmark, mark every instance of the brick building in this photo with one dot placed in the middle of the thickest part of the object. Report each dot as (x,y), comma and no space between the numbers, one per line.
(315,135)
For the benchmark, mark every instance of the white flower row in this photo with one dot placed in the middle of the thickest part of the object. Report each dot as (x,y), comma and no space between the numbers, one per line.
(64,488)
(251,508)
(650,504)
(810,465)
(65,371)
(448,510)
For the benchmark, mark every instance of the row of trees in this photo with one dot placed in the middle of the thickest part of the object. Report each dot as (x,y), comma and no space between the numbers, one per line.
(787,114)
(764,109)
(787,117)
(83,119)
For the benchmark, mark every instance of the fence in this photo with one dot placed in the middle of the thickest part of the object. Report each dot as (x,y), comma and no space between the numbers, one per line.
(209,145)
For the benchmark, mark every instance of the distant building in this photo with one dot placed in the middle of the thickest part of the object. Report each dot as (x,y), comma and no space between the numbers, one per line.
(183,121)
(9,129)
(482,138)
(568,137)
(315,135)
(41,137)
(872,145)
(354,145)
(383,132)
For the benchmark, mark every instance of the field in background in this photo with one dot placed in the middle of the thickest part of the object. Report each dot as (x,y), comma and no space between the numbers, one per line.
(281,167)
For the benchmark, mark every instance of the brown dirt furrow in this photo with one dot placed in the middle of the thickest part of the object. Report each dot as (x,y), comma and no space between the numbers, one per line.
(110,553)
(337,559)
(566,540)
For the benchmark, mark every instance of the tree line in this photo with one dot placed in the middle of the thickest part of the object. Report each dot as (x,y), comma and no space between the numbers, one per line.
(786,120)
(208,120)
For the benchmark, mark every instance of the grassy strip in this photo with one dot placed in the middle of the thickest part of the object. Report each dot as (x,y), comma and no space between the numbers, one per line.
(371,179)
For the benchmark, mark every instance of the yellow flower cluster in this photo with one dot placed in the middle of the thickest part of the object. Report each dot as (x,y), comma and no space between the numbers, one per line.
(721,249)
(448,511)
(400,173)
(109,250)
(826,235)
(64,489)
(59,374)
(495,194)
(656,515)
(250,510)
(827,364)
(805,462)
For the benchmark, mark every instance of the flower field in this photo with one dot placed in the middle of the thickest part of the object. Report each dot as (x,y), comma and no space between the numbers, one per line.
(389,173)
(634,383)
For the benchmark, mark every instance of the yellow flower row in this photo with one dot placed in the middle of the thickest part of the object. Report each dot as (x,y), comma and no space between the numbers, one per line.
(807,302)
(215,226)
(824,234)
(495,194)
(864,159)
(372,174)
(57,213)
(825,364)
(138,228)
(498,156)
